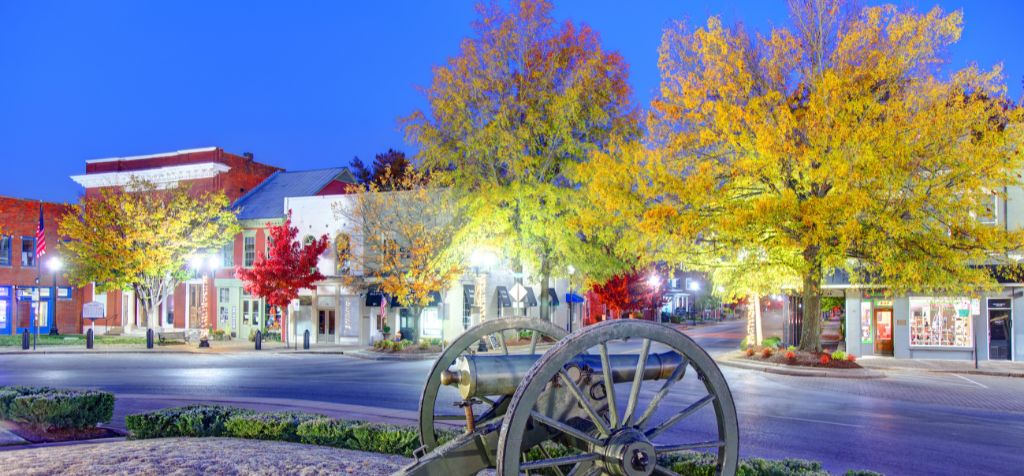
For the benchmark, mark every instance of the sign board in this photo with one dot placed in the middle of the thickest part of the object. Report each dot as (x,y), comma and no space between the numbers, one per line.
(518,292)
(93,310)
(999,304)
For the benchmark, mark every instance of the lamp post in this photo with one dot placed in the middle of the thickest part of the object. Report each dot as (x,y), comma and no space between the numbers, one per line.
(654,281)
(481,258)
(54,265)
(572,270)
(201,264)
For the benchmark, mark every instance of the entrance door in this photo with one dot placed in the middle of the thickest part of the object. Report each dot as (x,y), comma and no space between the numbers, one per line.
(999,334)
(325,327)
(883,331)
(195,305)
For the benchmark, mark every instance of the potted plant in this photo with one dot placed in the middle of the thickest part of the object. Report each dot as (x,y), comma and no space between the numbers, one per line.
(385,331)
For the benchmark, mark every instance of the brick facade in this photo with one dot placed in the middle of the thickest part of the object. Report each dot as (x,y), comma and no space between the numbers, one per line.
(19,219)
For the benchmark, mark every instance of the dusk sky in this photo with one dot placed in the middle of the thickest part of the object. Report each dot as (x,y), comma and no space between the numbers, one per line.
(300,84)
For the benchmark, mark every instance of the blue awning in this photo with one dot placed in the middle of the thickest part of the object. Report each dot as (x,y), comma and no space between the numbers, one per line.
(573,298)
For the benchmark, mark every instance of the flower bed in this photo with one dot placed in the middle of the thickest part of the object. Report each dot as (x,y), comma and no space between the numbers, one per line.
(426,346)
(798,358)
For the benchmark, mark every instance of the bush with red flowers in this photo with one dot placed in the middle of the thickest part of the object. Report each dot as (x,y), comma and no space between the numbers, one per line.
(790,355)
(766,352)
(750,351)
(851,358)
(825,359)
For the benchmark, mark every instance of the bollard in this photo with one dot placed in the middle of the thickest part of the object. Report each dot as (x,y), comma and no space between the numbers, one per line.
(89,339)
(24,339)
(305,340)
(149,338)
(259,340)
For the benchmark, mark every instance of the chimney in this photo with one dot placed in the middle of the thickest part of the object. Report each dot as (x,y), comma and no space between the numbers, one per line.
(248,155)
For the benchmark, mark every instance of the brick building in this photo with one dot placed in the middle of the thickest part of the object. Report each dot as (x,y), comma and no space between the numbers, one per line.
(204,170)
(19,219)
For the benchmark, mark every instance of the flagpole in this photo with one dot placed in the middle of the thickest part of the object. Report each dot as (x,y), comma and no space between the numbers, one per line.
(39,280)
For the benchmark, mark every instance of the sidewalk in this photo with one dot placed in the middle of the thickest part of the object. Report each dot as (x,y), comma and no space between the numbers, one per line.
(216,347)
(736,360)
(985,367)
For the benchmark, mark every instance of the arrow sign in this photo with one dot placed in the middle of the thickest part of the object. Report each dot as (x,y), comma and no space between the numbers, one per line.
(518,292)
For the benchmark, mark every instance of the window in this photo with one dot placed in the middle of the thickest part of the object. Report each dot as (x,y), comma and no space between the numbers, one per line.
(169,308)
(943,321)
(227,254)
(28,251)
(865,323)
(250,251)
(5,250)
(225,294)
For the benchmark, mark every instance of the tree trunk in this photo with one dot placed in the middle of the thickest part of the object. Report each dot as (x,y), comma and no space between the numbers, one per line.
(417,312)
(810,338)
(545,282)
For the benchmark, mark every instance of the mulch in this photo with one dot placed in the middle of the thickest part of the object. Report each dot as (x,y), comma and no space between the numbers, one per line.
(37,435)
(802,359)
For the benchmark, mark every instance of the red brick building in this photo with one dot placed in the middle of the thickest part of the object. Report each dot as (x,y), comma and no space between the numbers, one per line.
(206,169)
(19,270)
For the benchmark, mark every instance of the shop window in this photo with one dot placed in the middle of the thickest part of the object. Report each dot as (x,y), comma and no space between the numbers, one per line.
(866,336)
(227,254)
(249,249)
(942,322)
(28,251)
(5,250)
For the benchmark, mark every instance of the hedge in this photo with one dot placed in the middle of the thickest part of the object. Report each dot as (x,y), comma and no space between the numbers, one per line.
(192,420)
(48,408)
(282,426)
(703,464)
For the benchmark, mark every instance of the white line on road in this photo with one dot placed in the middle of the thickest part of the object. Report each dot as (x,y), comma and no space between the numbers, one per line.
(808,420)
(972,381)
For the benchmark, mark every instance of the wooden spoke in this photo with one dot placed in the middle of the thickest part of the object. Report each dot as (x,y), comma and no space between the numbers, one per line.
(638,379)
(533,342)
(609,387)
(565,428)
(653,432)
(560,461)
(659,449)
(599,422)
(676,376)
(501,340)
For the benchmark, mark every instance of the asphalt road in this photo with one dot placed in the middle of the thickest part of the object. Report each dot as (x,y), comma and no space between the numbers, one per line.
(908,423)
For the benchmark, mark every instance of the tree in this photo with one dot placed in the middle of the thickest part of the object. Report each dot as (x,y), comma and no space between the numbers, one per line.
(522,104)
(403,230)
(633,291)
(288,266)
(140,238)
(833,145)
(392,162)
(362,173)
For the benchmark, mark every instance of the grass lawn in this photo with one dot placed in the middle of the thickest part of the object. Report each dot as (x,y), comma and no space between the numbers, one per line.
(70,339)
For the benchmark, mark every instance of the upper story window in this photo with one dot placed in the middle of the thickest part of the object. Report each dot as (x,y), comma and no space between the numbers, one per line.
(990,214)
(227,254)
(5,250)
(28,251)
(249,250)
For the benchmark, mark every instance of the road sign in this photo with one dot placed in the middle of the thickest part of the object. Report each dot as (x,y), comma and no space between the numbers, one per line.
(518,292)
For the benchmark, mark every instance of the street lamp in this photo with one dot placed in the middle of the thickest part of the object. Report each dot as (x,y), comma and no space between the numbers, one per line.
(200,264)
(572,270)
(481,258)
(54,265)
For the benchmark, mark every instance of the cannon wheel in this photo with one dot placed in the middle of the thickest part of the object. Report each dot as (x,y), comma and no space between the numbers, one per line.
(617,434)
(466,344)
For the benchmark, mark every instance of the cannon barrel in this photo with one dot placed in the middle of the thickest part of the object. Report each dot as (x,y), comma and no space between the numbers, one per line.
(483,375)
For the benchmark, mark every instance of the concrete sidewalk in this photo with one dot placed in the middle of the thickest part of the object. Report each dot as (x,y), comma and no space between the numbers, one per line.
(216,347)
(735,359)
(986,367)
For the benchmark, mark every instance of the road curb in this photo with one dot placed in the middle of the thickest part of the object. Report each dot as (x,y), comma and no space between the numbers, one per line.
(779,370)
(990,373)
(366,355)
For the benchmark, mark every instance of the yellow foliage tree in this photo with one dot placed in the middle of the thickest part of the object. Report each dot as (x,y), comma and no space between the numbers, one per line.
(835,144)
(140,238)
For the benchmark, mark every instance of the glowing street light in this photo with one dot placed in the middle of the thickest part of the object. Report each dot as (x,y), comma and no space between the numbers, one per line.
(201,264)
(654,281)
(55,264)
(694,285)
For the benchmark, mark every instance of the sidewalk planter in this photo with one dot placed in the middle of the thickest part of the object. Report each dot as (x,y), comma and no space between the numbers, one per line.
(45,408)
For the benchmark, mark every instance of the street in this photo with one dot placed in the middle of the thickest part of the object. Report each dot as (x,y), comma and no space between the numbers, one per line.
(907,423)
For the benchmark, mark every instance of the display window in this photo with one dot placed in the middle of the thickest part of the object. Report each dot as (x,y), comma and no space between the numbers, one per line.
(866,336)
(941,321)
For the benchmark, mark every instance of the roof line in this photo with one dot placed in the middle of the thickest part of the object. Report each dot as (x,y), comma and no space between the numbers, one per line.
(151,156)
(254,189)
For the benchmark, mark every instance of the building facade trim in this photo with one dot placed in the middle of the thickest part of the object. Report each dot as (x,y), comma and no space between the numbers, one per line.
(164,177)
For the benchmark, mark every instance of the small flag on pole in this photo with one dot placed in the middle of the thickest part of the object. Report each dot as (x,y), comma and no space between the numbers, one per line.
(383,306)
(40,235)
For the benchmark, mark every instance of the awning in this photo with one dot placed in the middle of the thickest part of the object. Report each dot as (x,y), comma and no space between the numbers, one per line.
(553,296)
(374,296)
(504,300)
(573,298)
(531,299)
(468,296)
(435,299)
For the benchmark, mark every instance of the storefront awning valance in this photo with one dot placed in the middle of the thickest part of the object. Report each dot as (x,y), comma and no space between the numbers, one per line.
(531,298)
(553,296)
(374,296)
(504,300)
(573,298)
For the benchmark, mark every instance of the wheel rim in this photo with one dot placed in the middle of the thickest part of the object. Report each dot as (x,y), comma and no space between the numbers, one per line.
(466,343)
(613,438)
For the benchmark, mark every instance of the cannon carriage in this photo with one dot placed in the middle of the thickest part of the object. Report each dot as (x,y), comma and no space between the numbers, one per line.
(529,399)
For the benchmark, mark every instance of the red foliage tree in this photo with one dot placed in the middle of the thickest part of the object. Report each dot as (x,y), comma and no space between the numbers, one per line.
(288,267)
(631,292)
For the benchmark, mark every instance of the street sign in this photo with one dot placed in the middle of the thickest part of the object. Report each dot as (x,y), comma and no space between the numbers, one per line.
(93,310)
(518,292)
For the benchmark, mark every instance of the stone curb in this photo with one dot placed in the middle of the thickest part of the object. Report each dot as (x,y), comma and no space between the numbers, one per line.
(367,355)
(989,373)
(797,372)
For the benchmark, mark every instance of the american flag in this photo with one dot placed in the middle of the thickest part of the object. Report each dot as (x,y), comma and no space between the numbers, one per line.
(383,306)
(40,235)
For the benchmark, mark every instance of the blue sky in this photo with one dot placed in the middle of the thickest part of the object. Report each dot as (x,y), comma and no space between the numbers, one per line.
(302,84)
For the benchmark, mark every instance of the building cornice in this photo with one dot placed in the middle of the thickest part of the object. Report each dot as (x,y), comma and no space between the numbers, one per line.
(151,156)
(163,177)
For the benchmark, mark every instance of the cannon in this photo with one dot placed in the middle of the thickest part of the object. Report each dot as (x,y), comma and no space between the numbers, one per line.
(520,396)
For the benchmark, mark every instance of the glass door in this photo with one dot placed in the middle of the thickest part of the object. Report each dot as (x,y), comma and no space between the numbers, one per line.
(999,334)
(883,331)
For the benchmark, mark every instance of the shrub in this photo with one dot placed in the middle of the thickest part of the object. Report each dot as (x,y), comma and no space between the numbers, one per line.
(192,420)
(750,351)
(8,394)
(790,355)
(61,409)
(326,432)
(766,352)
(851,357)
(861,472)
(839,355)
(824,359)
(385,330)
(773,342)
(279,426)
(743,344)
(403,344)
(424,344)
(791,348)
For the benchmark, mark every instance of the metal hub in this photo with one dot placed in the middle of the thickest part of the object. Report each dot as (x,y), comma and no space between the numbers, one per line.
(629,453)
